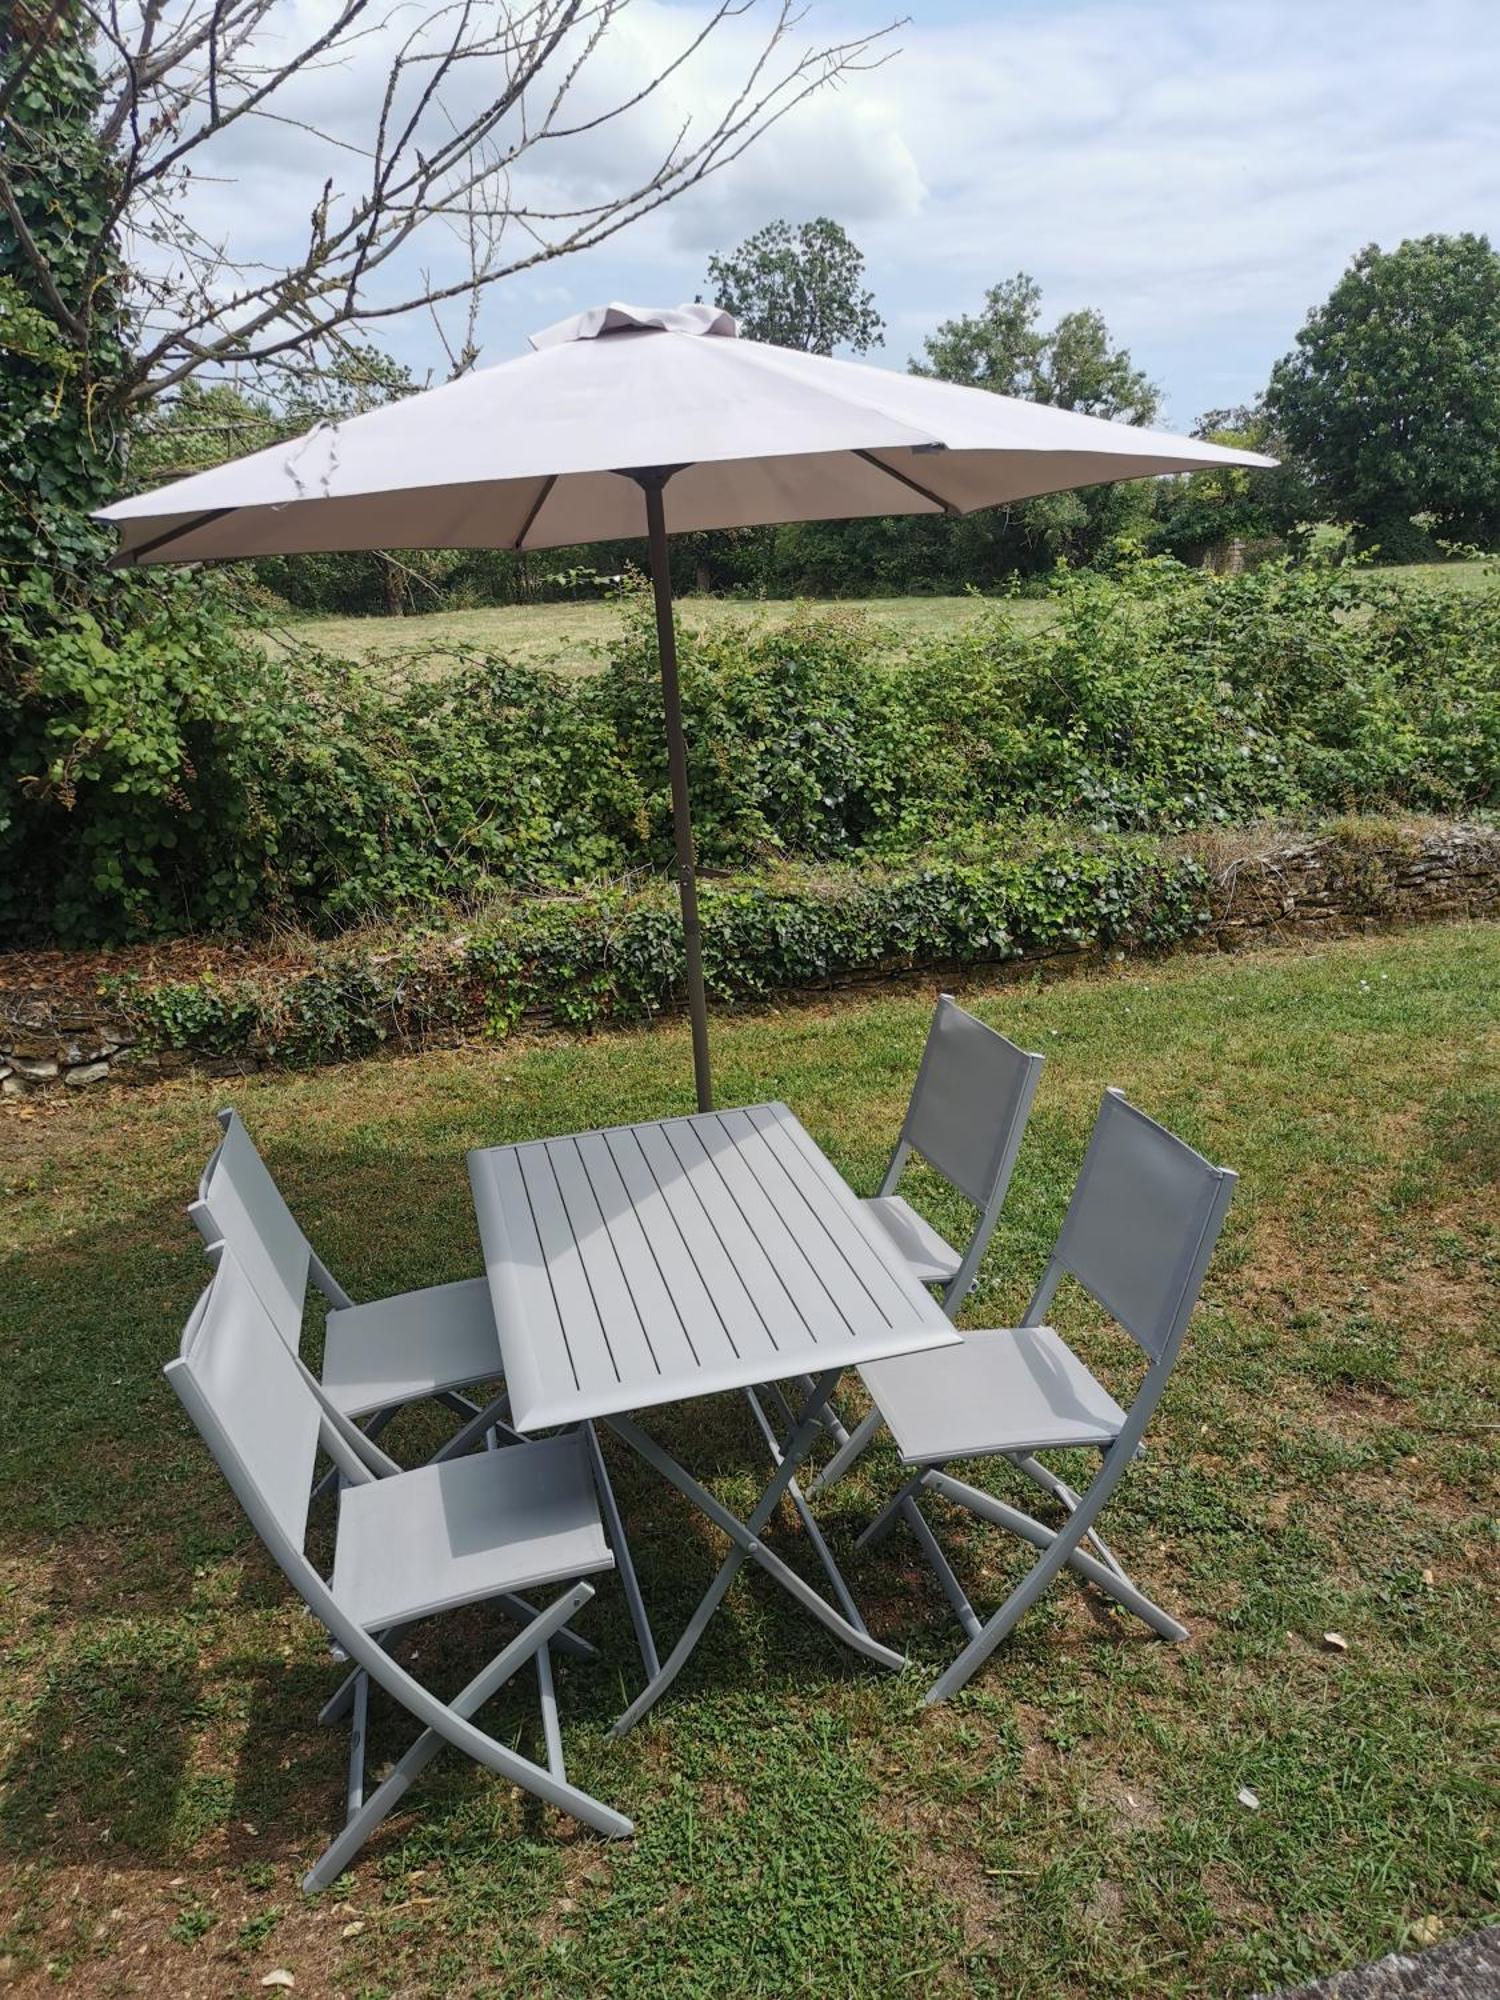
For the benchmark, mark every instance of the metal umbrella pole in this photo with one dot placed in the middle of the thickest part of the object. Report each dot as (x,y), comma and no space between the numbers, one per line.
(652,482)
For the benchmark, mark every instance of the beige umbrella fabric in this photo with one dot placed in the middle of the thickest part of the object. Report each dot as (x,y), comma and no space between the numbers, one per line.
(629,420)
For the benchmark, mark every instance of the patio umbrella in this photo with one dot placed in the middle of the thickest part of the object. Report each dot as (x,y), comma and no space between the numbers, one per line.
(630,420)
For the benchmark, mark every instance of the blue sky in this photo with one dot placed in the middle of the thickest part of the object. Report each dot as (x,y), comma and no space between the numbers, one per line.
(1200,170)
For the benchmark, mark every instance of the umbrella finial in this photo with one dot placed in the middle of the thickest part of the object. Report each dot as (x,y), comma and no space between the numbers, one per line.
(617,318)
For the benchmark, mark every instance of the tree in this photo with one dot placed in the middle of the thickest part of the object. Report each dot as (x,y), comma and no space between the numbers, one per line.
(1005,348)
(462,134)
(63,352)
(1391,396)
(801,287)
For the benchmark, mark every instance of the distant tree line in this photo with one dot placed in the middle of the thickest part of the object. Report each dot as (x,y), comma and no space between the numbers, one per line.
(1385,416)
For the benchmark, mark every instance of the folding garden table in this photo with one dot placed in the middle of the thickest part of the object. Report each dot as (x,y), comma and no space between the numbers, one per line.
(651,1264)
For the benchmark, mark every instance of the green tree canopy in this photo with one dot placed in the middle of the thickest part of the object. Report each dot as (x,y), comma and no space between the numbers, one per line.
(1074,365)
(799,287)
(1391,396)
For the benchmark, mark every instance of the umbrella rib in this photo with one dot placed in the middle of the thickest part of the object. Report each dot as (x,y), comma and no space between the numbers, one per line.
(915,484)
(536,507)
(127,557)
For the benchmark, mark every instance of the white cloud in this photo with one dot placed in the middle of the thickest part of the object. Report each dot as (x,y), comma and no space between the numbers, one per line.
(1201,170)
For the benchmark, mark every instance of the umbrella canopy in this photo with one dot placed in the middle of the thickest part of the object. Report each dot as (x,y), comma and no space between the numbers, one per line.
(630,420)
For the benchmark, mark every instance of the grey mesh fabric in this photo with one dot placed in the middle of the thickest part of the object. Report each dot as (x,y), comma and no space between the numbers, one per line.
(239,1203)
(958,1118)
(1133,1227)
(966,1117)
(259,1395)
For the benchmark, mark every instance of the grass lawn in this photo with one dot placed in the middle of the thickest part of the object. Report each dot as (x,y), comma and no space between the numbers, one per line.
(1324,1462)
(568,635)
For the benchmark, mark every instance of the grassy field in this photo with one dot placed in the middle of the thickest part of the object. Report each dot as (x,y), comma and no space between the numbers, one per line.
(1324,1462)
(569,635)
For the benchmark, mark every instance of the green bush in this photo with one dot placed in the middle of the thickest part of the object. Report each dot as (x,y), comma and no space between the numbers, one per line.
(160,772)
(615,955)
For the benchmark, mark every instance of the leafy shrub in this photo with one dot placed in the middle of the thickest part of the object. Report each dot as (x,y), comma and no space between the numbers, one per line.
(160,772)
(616,954)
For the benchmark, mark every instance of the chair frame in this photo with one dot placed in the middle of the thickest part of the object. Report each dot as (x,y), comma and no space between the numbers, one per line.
(1062,1547)
(359,1461)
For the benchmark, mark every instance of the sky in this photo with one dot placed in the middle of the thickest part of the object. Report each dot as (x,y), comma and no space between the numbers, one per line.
(1201,171)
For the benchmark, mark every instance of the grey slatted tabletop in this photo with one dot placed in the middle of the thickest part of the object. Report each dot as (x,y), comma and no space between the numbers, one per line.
(646,1264)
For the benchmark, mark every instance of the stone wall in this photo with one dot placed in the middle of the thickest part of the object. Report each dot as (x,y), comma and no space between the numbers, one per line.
(1340,884)
(1331,885)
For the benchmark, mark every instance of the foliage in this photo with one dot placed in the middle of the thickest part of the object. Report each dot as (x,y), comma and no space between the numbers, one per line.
(59,441)
(799,287)
(615,954)
(1005,348)
(164,775)
(1207,510)
(1392,393)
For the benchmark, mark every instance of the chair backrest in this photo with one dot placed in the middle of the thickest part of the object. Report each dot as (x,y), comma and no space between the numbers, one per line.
(1142,1224)
(970,1101)
(252,1403)
(239,1204)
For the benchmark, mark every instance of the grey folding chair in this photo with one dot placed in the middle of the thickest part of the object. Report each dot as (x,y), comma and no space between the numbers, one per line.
(376,1357)
(410,1545)
(966,1119)
(1138,1235)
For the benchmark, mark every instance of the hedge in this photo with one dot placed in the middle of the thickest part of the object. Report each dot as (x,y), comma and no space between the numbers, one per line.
(161,773)
(615,955)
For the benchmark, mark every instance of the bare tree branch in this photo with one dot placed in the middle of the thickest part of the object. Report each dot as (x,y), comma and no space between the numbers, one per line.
(478,135)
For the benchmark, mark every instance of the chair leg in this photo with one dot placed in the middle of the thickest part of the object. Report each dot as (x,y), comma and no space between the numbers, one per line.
(1043,1476)
(851,1446)
(885,1520)
(551,1732)
(927,1541)
(355,1788)
(1059,1547)
(386,1797)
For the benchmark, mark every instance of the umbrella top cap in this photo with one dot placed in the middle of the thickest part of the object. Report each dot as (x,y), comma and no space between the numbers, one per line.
(617,318)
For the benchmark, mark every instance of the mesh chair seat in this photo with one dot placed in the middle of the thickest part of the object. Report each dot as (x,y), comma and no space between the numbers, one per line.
(468,1529)
(1015,1389)
(932,1259)
(398,1350)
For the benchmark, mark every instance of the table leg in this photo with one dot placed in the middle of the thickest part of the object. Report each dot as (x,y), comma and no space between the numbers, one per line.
(745,1537)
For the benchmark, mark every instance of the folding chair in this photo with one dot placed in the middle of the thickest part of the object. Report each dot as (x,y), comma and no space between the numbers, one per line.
(966,1118)
(1138,1235)
(410,1545)
(376,1357)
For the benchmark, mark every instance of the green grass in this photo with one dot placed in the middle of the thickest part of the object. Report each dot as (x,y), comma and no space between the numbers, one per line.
(1324,1460)
(569,635)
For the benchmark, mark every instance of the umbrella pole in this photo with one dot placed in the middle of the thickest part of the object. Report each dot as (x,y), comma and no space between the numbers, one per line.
(682,812)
